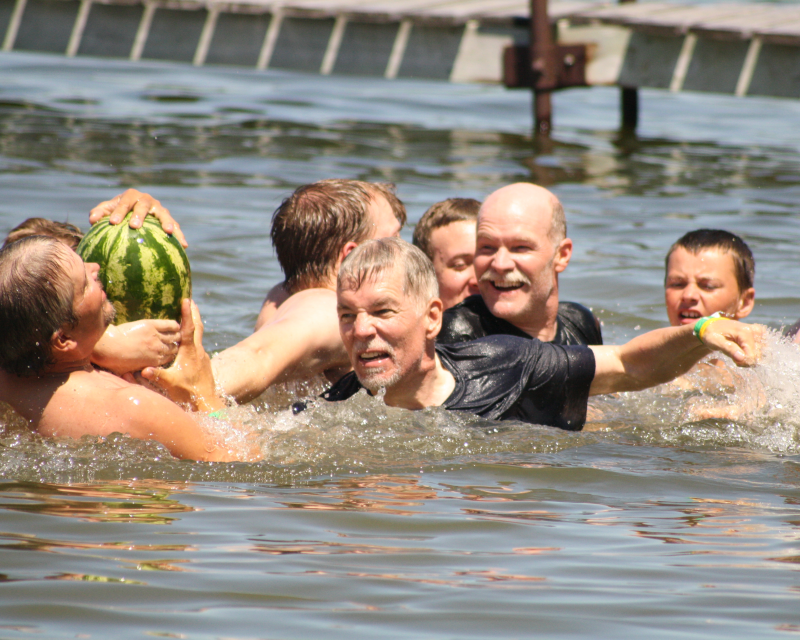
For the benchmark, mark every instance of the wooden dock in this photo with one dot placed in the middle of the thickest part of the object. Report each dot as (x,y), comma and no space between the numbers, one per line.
(739,49)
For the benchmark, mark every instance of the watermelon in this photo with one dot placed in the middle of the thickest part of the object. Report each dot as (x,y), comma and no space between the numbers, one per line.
(145,272)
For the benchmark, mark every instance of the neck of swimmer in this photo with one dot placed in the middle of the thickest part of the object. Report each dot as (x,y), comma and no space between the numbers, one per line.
(429,385)
(544,322)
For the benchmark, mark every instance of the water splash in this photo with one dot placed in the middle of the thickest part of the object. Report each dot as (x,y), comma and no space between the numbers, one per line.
(719,404)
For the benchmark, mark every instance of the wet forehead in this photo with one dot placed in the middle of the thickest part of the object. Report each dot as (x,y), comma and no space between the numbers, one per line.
(76,269)
(515,219)
(378,287)
(456,238)
(707,263)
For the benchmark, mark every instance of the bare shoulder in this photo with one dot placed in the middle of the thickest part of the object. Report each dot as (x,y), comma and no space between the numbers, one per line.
(100,403)
(275,298)
(321,301)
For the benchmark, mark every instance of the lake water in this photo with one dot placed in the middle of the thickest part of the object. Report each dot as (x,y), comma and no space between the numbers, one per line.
(364,521)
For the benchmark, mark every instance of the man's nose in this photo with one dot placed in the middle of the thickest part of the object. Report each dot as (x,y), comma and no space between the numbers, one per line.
(690,292)
(501,261)
(363,326)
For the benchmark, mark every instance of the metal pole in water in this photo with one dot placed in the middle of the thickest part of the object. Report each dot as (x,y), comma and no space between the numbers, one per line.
(629,101)
(543,67)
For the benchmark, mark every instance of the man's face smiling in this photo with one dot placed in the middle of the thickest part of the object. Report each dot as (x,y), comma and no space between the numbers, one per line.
(514,261)
(383,331)
(700,284)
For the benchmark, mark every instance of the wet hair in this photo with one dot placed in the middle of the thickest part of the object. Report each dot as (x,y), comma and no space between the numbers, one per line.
(36,297)
(371,260)
(67,233)
(440,215)
(311,226)
(704,239)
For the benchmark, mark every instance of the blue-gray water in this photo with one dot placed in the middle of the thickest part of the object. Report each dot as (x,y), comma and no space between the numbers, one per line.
(364,521)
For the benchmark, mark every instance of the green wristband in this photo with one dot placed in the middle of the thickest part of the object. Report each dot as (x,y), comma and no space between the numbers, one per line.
(219,414)
(702,322)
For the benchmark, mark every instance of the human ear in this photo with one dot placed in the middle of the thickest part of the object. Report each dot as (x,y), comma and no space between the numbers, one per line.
(61,343)
(346,249)
(433,315)
(746,303)
(563,255)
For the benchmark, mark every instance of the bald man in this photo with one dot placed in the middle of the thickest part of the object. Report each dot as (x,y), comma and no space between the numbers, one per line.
(522,246)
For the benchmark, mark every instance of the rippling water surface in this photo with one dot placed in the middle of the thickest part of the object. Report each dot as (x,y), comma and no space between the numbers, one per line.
(364,521)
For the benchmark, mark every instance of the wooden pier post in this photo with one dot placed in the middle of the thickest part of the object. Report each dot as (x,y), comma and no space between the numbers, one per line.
(543,67)
(629,108)
(628,101)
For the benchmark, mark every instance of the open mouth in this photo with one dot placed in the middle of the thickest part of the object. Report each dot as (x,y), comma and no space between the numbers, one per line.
(373,358)
(512,286)
(689,316)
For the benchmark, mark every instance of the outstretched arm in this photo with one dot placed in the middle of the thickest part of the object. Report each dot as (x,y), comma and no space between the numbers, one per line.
(300,342)
(661,355)
(146,415)
(141,204)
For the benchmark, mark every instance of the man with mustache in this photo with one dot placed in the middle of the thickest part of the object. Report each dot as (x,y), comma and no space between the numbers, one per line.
(522,246)
(390,315)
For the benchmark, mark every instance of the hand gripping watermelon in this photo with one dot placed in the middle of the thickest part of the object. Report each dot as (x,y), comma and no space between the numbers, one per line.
(145,272)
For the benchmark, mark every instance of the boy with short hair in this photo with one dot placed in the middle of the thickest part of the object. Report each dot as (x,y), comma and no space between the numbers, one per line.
(709,271)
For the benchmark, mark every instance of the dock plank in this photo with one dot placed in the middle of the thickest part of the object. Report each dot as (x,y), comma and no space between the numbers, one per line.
(628,14)
(749,24)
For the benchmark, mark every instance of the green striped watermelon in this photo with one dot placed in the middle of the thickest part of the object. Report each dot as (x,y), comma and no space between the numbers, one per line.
(145,272)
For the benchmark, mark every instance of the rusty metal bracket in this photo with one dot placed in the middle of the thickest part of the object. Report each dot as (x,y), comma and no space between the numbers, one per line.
(567,68)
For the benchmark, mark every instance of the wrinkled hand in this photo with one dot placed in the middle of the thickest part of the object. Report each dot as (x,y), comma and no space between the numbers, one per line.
(189,380)
(136,345)
(741,342)
(141,204)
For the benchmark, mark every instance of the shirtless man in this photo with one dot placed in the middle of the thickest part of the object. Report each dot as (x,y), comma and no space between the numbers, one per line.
(522,246)
(446,234)
(52,313)
(390,315)
(298,333)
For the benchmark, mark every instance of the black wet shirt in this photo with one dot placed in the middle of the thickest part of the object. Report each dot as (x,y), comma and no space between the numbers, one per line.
(508,378)
(471,319)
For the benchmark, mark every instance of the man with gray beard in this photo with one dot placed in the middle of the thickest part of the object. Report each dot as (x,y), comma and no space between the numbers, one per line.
(522,246)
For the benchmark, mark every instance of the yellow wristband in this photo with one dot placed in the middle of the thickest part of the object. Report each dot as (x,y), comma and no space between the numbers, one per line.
(702,332)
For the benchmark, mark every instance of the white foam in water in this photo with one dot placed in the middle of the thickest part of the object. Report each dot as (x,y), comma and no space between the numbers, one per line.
(756,408)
